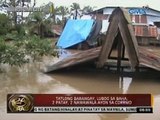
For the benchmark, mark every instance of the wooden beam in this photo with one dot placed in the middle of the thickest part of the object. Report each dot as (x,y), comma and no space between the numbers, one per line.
(120,24)
(107,46)
(119,52)
(128,43)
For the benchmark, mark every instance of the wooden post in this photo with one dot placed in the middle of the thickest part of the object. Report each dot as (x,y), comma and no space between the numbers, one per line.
(119,53)
(123,52)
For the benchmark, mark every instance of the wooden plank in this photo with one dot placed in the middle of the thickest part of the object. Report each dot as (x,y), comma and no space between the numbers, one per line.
(126,15)
(106,47)
(134,39)
(119,23)
(73,59)
(130,29)
(128,43)
(119,52)
(149,58)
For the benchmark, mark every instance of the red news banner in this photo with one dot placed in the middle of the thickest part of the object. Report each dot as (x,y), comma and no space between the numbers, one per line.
(79,103)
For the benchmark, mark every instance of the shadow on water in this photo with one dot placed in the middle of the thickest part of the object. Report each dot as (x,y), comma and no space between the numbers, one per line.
(90,80)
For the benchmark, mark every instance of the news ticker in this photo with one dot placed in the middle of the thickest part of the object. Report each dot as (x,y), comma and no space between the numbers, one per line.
(79,103)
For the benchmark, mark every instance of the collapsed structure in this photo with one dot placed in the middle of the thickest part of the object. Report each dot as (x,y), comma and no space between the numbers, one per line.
(121,31)
(120,37)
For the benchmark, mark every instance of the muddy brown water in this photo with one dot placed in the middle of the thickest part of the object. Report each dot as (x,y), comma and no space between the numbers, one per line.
(77,80)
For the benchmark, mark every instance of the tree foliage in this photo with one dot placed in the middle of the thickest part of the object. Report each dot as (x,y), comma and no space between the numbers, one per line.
(87,9)
(4,24)
(63,11)
(37,23)
(16,52)
(75,6)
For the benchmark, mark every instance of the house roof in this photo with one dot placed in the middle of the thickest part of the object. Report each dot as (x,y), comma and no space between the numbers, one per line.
(121,29)
(101,9)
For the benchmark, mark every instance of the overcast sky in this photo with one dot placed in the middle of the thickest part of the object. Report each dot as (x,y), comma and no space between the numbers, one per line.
(103,3)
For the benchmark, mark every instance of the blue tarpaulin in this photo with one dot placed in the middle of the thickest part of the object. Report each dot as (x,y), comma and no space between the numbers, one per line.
(75,31)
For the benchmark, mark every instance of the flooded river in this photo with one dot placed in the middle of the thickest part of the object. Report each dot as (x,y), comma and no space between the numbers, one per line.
(78,80)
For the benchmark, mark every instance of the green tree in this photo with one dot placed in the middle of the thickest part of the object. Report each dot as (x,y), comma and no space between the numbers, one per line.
(75,10)
(56,12)
(35,23)
(87,9)
(63,11)
(14,3)
(38,23)
(75,6)
(17,52)
(4,24)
